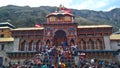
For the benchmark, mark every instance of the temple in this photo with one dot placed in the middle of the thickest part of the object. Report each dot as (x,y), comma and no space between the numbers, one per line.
(60,29)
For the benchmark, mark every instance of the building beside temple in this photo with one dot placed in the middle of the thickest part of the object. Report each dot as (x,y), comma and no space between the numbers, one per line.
(6,40)
(115,43)
(93,40)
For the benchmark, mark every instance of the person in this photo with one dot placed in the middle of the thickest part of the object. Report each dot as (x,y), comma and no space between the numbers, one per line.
(35,66)
(2,66)
(64,44)
(62,65)
(44,66)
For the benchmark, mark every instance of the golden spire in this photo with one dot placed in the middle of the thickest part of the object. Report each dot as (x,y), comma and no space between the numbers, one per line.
(60,6)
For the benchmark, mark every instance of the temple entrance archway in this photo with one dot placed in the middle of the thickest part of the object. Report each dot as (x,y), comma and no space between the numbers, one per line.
(59,38)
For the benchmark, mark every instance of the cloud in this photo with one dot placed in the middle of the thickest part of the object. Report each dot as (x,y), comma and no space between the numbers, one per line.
(110,8)
(91,4)
(35,3)
(76,4)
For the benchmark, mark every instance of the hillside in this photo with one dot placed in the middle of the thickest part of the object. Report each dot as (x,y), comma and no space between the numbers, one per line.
(28,16)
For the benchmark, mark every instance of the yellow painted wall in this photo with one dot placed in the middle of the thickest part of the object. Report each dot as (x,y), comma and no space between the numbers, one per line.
(6,32)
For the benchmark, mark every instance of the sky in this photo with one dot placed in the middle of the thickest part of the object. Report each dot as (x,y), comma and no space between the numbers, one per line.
(97,5)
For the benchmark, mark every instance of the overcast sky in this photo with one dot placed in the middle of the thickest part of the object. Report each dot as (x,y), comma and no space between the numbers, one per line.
(98,5)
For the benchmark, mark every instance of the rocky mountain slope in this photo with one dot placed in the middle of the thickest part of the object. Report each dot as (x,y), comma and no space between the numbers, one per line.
(28,16)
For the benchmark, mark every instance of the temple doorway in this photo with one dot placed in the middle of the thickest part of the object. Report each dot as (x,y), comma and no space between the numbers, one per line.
(59,38)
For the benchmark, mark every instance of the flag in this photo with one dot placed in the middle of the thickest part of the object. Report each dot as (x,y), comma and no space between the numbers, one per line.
(37,25)
(68,10)
(65,9)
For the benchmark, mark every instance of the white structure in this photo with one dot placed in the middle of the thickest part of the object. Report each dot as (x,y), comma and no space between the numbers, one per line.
(115,43)
(107,42)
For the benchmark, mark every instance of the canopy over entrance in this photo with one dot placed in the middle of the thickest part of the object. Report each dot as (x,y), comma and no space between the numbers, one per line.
(59,38)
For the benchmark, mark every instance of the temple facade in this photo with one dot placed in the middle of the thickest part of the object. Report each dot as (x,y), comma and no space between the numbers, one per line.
(60,28)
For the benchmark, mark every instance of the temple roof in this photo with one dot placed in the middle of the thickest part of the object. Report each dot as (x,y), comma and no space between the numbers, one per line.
(94,26)
(115,37)
(59,13)
(32,28)
(6,24)
(6,27)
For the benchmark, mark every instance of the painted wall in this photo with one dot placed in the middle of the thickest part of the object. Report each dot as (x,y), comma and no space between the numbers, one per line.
(114,45)
(16,44)
(107,42)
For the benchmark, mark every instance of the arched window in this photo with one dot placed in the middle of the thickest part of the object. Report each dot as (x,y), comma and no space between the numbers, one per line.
(90,44)
(48,42)
(67,18)
(24,46)
(83,45)
(38,45)
(52,19)
(31,46)
(98,44)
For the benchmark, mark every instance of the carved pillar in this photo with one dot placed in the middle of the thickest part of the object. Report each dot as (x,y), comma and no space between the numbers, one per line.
(103,45)
(94,44)
(87,45)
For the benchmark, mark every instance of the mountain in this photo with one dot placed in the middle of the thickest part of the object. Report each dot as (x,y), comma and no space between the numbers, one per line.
(28,16)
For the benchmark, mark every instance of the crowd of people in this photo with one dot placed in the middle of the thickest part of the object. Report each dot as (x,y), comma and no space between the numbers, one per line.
(62,56)
(82,64)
